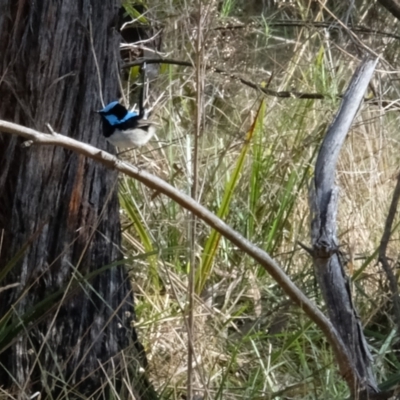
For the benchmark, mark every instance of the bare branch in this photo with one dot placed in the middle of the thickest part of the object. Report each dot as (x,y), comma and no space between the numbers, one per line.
(327,158)
(269,92)
(327,258)
(311,24)
(383,257)
(10,286)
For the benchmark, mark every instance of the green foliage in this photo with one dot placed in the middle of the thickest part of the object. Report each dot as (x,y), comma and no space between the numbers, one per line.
(227,7)
(127,200)
(133,12)
(212,242)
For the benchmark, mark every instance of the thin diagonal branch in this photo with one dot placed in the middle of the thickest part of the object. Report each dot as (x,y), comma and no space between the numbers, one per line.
(345,364)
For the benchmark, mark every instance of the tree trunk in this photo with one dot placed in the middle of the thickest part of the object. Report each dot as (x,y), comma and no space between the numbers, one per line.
(48,74)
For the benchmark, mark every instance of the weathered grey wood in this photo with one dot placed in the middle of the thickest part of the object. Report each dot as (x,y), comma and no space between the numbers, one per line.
(326,255)
(48,75)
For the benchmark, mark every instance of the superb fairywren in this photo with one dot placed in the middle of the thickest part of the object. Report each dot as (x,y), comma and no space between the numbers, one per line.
(123,128)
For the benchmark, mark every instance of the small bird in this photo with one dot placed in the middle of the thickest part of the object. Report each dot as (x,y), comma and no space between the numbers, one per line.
(123,128)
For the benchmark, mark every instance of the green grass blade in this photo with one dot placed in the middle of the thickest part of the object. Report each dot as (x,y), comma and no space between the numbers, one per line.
(211,246)
(129,206)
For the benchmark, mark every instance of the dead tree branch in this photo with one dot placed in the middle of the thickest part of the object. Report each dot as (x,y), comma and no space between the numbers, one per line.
(383,257)
(327,259)
(282,94)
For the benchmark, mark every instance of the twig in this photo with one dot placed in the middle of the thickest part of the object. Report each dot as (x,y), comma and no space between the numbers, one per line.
(193,220)
(285,94)
(269,92)
(383,259)
(311,24)
(10,286)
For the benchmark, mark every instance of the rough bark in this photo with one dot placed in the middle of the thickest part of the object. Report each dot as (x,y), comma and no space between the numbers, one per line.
(326,255)
(48,74)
